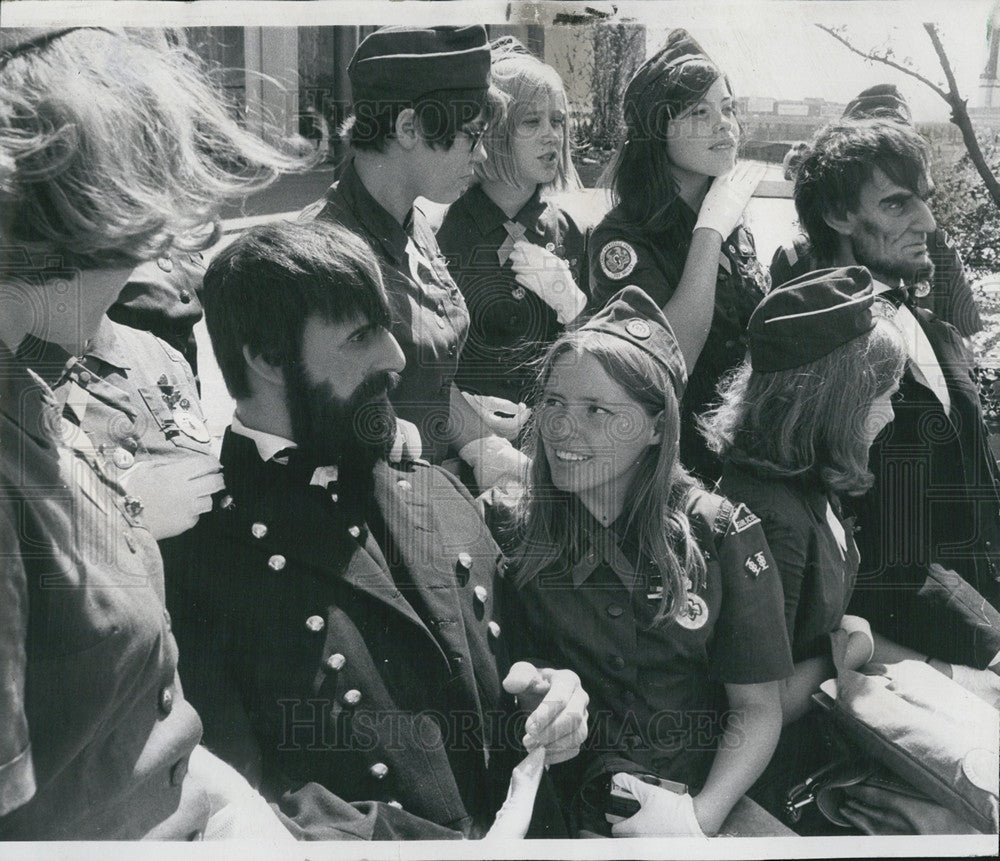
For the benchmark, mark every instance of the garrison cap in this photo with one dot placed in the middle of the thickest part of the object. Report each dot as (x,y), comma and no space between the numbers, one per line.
(632,316)
(883,101)
(809,317)
(403,63)
(653,92)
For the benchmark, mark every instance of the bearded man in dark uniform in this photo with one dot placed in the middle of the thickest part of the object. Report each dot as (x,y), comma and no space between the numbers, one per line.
(337,618)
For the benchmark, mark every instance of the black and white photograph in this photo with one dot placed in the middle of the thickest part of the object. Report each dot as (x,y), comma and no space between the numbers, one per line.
(469,429)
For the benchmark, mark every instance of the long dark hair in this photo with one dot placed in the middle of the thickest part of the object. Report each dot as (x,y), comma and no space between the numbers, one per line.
(639,175)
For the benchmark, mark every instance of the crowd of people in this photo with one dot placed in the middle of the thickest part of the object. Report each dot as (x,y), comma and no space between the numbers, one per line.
(522,527)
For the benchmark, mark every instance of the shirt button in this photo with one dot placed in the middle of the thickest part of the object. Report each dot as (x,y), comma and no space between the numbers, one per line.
(276,562)
(618,662)
(258,530)
(354,532)
(403,484)
(166,701)
(178,772)
(452,351)
(465,561)
(185,297)
(379,770)
(227,503)
(335,663)
(494,629)
(615,610)
(481,594)
(315,624)
(352,697)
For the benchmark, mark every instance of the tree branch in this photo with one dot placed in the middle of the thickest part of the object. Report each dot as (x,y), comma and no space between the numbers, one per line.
(942,58)
(886,61)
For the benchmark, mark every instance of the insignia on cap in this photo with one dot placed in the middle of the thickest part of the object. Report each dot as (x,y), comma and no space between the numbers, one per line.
(638,329)
(618,259)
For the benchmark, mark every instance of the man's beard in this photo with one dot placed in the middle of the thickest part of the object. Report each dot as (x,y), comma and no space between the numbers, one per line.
(888,271)
(354,433)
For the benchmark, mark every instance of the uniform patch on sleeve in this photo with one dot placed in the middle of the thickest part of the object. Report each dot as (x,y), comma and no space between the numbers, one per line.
(618,259)
(756,563)
(743,518)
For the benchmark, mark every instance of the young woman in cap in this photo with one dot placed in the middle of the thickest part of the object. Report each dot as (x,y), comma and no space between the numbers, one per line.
(675,227)
(793,430)
(112,150)
(663,599)
(421,106)
(516,255)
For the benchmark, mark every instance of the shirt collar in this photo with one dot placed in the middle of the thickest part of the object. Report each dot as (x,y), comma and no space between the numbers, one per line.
(268,444)
(487,216)
(106,346)
(374,217)
(602,545)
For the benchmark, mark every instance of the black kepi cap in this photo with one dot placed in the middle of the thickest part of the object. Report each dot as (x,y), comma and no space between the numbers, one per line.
(646,97)
(396,64)
(882,101)
(809,317)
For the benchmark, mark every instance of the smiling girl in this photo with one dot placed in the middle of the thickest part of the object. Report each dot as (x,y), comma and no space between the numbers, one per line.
(628,571)
(675,228)
(515,254)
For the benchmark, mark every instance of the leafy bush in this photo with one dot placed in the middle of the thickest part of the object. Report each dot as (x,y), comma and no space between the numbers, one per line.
(963,207)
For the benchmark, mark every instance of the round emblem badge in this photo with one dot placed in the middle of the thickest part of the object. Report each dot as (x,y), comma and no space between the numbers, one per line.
(638,329)
(921,289)
(618,259)
(695,614)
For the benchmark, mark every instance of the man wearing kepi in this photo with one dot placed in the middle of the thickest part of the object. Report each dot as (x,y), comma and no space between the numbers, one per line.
(338,620)
(420,99)
(929,533)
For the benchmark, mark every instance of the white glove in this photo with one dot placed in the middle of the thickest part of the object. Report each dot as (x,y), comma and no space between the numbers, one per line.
(503,417)
(728,197)
(513,818)
(174,492)
(548,277)
(492,459)
(238,811)
(662,812)
(861,643)
(985,684)
(407,445)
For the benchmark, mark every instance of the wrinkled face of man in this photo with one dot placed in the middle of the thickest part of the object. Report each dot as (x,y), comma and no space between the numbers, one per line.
(338,393)
(888,231)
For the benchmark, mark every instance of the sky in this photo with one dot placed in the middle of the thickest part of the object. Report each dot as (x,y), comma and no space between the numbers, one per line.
(774,48)
(769,48)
